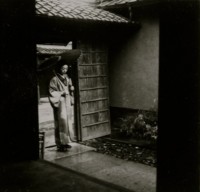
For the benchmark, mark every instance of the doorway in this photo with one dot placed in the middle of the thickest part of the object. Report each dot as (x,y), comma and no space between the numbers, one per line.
(90,78)
(46,54)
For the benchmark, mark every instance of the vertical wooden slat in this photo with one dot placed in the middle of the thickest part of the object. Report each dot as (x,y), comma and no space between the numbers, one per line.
(93,90)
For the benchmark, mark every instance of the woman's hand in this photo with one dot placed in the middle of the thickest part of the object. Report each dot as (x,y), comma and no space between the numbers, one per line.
(72,88)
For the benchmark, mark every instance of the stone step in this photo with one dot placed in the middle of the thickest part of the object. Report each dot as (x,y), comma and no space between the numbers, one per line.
(127,174)
(51,153)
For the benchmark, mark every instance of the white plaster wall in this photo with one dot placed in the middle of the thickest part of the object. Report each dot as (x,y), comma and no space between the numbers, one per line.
(134,68)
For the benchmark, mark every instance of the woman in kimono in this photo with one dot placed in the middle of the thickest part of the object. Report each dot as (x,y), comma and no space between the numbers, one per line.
(61,99)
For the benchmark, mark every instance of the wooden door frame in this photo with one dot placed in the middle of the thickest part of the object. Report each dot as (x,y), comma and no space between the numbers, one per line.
(77,117)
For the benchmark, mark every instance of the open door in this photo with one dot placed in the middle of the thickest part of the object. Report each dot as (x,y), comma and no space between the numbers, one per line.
(93,90)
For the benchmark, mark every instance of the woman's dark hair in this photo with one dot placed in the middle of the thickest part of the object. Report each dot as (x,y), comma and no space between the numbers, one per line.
(60,64)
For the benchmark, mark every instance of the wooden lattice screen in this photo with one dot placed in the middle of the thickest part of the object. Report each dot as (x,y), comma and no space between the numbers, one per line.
(93,90)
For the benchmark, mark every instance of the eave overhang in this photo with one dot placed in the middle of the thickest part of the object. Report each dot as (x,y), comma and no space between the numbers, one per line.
(55,20)
(120,4)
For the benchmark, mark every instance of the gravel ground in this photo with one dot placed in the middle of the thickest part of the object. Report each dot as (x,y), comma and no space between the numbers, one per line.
(124,150)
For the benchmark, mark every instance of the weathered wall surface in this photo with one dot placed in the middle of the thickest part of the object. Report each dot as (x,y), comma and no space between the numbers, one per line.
(134,68)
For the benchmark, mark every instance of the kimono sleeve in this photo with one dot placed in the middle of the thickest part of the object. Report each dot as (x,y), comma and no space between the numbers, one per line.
(54,92)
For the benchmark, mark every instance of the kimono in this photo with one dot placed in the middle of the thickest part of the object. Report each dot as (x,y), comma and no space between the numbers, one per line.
(62,109)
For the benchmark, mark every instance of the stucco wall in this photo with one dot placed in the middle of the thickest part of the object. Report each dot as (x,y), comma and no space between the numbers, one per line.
(134,68)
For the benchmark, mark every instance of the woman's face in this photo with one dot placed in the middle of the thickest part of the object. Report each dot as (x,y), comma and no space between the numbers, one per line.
(64,69)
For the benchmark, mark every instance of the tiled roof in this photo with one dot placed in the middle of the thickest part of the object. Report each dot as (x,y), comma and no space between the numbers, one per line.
(52,50)
(76,11)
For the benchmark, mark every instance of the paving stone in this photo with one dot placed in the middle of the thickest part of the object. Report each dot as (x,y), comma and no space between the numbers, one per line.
(131,175)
